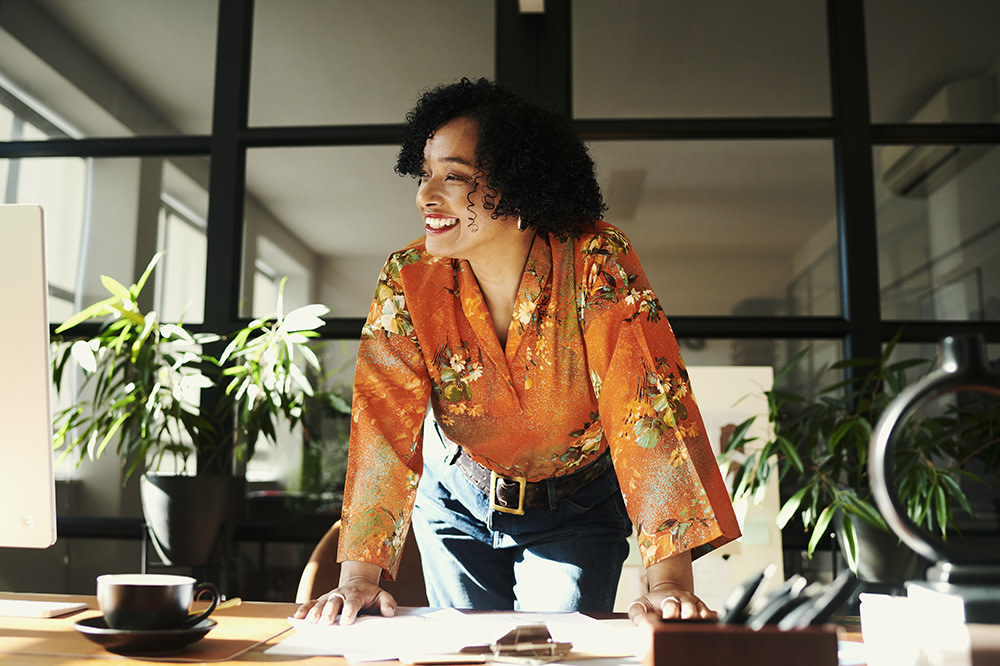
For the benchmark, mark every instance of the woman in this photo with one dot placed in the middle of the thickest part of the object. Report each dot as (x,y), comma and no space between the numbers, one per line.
(529,327)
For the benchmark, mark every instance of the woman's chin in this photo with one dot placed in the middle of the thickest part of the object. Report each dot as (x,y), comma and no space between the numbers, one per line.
(437,247)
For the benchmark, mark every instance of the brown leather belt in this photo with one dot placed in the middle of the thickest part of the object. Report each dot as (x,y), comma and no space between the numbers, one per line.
(515,494)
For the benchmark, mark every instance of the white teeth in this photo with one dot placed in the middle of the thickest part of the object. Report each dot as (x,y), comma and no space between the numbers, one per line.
(439,222)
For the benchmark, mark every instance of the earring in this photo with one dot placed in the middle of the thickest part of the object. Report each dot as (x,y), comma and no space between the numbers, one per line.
(521,226)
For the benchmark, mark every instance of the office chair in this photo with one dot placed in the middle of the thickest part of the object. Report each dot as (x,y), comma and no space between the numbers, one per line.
(322,573)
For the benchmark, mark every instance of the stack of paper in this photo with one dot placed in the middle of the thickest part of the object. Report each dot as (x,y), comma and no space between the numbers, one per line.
(428,636)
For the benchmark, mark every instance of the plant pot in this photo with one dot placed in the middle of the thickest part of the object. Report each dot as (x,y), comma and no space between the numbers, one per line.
(882,557)
(191,519)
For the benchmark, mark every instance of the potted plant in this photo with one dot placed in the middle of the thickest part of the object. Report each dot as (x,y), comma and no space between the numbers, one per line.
(819,446)
(143,381)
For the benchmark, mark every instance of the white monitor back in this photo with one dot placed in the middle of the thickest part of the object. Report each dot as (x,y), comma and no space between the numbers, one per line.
(27,485)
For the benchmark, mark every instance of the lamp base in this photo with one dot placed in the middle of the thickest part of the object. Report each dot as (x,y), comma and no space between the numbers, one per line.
(962,574)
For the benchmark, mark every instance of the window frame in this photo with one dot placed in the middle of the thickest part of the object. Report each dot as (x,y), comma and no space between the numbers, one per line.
(533,56)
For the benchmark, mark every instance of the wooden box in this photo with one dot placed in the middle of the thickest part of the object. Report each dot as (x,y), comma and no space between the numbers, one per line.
(712,644)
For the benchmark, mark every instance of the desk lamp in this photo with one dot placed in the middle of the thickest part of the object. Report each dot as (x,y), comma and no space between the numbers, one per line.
(963,571)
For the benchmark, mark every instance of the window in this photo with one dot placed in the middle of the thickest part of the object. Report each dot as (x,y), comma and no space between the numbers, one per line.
(636,58)
(939,233)
(728,227)
(733,140)
(59,185)
(181,292)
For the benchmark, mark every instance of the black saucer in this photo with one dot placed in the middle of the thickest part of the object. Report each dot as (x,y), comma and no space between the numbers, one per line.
(128,641)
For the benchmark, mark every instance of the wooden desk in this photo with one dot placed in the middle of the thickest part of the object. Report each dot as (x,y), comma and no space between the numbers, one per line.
(242,635)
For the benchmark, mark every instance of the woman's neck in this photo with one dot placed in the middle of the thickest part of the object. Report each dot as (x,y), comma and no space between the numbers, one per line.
(499,276)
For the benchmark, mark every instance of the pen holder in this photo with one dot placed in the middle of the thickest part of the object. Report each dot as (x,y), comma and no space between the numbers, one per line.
(712,644)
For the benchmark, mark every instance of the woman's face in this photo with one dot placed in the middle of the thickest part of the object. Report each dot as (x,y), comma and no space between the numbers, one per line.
(450,197)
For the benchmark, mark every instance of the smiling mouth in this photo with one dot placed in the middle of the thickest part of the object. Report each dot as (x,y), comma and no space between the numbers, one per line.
(439,223)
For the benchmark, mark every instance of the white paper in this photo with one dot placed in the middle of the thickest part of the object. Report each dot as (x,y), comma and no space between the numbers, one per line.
(412,633)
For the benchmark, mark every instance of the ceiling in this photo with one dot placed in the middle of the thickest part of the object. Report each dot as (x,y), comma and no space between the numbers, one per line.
(692,204)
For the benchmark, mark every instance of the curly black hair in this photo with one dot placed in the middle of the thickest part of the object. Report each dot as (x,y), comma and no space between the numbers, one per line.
(529,154)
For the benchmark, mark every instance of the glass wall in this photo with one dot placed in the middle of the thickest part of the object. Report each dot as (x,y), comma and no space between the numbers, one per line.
(935,68)
(59,185)
(728,227)
(934,62)
(107,68)
(329,215)
(733,141)
(637,58)
(317,62)
(939,232)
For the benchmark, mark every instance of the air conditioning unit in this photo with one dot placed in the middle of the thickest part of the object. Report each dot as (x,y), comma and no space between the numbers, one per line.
(918,170)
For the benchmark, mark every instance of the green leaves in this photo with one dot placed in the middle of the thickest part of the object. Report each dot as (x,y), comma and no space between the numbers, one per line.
(850,536)
(143,381)
(819,529)
(820,442)
(792,457)
(264,362)
(789,508)
(740,436)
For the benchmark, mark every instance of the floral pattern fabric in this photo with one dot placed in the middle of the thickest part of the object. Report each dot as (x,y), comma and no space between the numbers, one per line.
(590,363)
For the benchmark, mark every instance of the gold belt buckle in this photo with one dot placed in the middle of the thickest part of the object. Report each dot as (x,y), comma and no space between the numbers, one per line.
(522,483)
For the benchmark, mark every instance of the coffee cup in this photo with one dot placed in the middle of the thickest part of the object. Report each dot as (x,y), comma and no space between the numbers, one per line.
(143,602)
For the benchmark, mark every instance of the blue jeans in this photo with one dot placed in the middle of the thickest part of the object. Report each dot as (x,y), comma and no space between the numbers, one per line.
(567,557)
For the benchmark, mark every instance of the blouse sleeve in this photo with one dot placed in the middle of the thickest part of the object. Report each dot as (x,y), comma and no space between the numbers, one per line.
(391,389)
(671,482)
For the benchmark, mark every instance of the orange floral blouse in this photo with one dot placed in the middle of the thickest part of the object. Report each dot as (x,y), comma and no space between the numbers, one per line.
(590,363)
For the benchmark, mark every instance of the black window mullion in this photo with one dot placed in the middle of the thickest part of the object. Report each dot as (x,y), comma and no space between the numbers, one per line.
(152,146)
(324,135)
(724,326)
(856,220)
(534,54)
(645,129)
(224,235)
(934,331)
(902,134)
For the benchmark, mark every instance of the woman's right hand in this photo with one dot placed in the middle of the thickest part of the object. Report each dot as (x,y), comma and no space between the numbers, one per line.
(358,591)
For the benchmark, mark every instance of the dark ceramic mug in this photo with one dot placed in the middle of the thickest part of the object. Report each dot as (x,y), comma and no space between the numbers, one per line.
(144,602)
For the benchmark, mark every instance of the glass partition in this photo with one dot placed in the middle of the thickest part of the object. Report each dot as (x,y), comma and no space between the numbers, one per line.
(764,351)
(361,61)
(939,231)
(722,227)
(728,227)
(671,58)
(109,68)
(326,218)
(933,62)
(58,184)
(104,216)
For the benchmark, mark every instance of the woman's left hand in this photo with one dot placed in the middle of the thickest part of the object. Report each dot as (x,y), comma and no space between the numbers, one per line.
(669,603)
(670,596)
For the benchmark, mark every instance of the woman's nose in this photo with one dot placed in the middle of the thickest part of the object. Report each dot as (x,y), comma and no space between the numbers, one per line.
(427,193)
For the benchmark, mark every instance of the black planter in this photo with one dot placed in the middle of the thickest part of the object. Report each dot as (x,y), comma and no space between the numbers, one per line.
(882,557)
(191,519)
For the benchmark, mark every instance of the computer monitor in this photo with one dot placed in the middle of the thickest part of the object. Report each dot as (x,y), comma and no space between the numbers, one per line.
(27,482)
